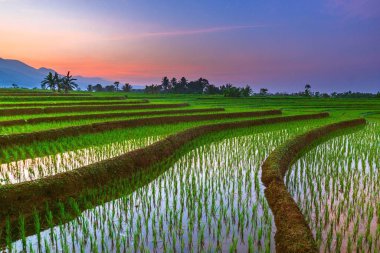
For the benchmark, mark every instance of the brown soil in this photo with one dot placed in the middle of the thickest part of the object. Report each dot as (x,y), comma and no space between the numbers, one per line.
(53,134)
(84,108)
(43,94)
(45,104)
(293,233)
(24,197)
(17,98)
(103,116)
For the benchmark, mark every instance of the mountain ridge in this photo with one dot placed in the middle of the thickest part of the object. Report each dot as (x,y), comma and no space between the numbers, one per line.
(17,72)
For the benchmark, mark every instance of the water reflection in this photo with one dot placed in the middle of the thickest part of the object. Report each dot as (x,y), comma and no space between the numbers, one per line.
(210,200)
(31,169)
(337,187)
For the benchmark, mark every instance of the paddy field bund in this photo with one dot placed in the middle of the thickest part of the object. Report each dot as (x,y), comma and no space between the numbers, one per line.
(131,172)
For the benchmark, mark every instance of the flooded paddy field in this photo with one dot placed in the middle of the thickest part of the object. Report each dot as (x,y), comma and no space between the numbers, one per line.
(337,187)
(211,199)
(40,167)
(207,196)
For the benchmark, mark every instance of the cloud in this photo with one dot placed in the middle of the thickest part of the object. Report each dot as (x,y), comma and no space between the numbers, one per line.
(355,8)
(199,31)
(187,32)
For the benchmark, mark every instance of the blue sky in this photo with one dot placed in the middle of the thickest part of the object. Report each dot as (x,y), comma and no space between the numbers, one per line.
(331,44)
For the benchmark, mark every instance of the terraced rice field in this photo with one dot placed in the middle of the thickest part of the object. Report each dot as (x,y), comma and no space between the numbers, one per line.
(170,173)
(342,182)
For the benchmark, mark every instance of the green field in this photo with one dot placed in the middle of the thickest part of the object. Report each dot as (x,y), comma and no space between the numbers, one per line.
(98,172)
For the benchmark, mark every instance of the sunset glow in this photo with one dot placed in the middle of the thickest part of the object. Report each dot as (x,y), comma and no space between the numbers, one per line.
(329,43)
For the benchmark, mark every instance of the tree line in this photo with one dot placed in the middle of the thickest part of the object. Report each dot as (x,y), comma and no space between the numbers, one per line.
(348,94)
(109,88)
(58,83)
(55,82)
(200,86)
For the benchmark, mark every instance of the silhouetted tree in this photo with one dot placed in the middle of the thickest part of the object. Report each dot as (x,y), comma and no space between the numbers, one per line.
(325,95)
(154,88)
(109,88)
(223,88)
(307,90)
(49,82)
(173,84)
(165,84)
(98,87)
(127,87)
(198,86)
(263,91)
(246,91)
(116,84)
(58,82)
(212,89)
(68,83)
(90,88)
(180,86)
(230,91)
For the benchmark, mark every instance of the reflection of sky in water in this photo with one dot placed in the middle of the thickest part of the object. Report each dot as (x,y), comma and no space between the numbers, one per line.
(209,199)
(31,169)
(344,179)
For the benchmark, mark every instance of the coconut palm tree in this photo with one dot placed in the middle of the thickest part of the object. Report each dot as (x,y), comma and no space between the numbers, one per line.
(127,87)
(116,84)
(307,90)
(58,81)
(68,83)
(49,82)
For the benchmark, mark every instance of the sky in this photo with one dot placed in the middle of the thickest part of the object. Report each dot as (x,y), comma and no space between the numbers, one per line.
(332,44)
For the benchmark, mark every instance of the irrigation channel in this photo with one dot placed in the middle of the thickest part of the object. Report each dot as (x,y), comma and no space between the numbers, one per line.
(210,199)
(337,187)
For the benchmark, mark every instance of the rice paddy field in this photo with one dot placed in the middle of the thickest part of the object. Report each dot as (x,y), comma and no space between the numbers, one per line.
(133,172)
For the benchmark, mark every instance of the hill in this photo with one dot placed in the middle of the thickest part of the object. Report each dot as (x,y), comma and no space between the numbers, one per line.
(17,72)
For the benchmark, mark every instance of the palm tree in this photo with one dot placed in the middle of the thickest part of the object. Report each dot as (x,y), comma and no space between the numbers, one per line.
(127,87)
(68,83)
(58,82)
(307,90)
(49,82)
(263,91)
(247,91)
(165,83)
(117,83)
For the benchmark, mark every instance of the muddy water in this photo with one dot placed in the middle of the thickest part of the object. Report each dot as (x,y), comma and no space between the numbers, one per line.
(32,169)
(337,186)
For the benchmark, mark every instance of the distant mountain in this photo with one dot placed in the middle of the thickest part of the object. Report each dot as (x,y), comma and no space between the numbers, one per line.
(17,72)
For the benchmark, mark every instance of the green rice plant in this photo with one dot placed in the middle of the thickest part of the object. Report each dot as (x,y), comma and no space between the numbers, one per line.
(344,168)
(37,226)
(8,234)
(233,246)
(203,194)
(250,244)
(22,232)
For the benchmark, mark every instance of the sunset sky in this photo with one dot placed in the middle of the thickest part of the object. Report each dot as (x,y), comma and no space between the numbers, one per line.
(331,44)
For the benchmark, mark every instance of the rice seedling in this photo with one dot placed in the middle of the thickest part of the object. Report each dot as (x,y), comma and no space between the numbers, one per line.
(211,198)
(338,182)
(212,187)
(35,168)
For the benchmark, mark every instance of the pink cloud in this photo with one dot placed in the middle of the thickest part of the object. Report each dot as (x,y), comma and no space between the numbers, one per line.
(186,32)
(355,8)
